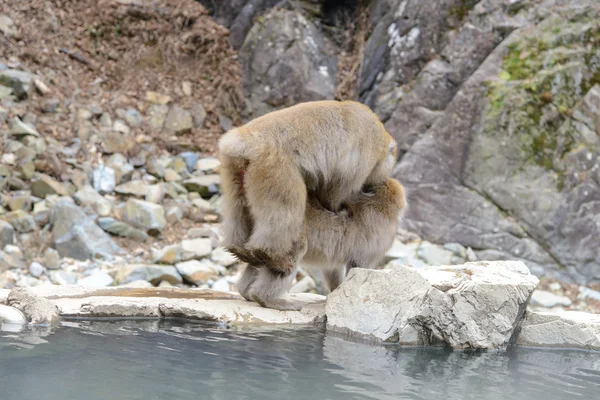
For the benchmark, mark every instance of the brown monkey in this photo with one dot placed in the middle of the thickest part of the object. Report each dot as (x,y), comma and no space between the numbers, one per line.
(327,149)
(356,236)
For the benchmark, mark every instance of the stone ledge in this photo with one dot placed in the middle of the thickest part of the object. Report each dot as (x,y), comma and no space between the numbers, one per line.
(569,329)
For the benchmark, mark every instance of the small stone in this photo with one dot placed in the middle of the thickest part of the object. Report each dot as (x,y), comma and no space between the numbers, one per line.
(27,169)
(11,257)
(49,106)
(97,279)
(191,159)
(200,232)
(225,122)
(5,92)
(104,179)
(20,220)
(20,82)
(555,286)
(144,215)
(138,284)
(157,114)
(206,185)
(41,87)
(123,170)
(155,193)
(165,284)
(434,255)
(208,165)
(221,285)
(7,26)
(305,285)
(178,120)
(223,257)
(542,298)
(89,197)
(174,214)
(198,114)
(84,114)
(151,273)
(197,272)
(136,188)
(20,128)
(19,201)
(186,88)
(51,258)
(121,127)
(195,248)
(42,185)
(122,229)
(171,175)
(167,255)
(471,256)
(7,234)
(587,293)
(36,269)
(106,120)
(11,315)
(117,142)
(456,248)
(37,310)
(157,98)
(179,165)
(59,277)
(133,117)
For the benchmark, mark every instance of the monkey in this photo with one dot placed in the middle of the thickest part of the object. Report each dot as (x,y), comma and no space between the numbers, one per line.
(269,166)
(357,236)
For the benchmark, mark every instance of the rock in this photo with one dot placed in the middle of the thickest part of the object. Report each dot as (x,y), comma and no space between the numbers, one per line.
(7,234)
(151,273)
(475,305)
(43,185)
(51,258)
(587,293)
(11,257)
(542,298)
(570,329)
(122,229)
(136,188)
(19,201)
(206,185)
(225,122)
(198,114)
(197,272)
(296,62)
(221,285)
(62,277)
(123,170)
(77,236)
(11,315)
(201,232)
(20,220)
(178,120)
(144,215)
(156,167)
(155,193)
(138,284)
(305,285)
(104,179)
(167,255)
(36,269)
(87,196)
(7,26)
(186,88)
(157,114)
(208,165)
(171,176)
(174,214)
(157,98)
(37,310)
(121,127)
(20,128)
(434,255)
(133,117)
(96,280)
(191,159)
(116,141)
(195,248)
(20,82)
(222,256)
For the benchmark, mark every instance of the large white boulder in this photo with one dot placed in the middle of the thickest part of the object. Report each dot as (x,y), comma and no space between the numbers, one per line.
(474,305)
(571,329)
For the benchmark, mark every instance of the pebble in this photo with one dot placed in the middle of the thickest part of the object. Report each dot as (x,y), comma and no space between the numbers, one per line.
(208,165)
(96,279)
(149,272)
(543,298)
(197,272)
(11,315)
(167,255)
(104,179)
(195,248)
(51,258)
(36,269)
(221,285)
(145,215)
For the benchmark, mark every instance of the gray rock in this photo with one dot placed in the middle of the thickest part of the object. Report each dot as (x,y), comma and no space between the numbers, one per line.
(171,175)
(222,256)
(11,257)
(587,293)
(167,255)
(174,214)
(51,258)
(64,278)
(296,62)
(195,248)
(36,269)
(133,117)
(37,310)
(221,285)
(225,122)
(7,234)
(542,298)
(11,315)
(75,235)
(190,159)
(21,129)
(197,272)
(432,254)
(87,196)
(97,279)
(569,329)
(144,215)
(198,114)
(136,188)
(208,165)
(20,82)
(475,305)
(123,170)
(151,273)
(178,120)
(7,26)
(157,114)
(104,179)
(20,220)
(43,185)
(206,185)
(122,229)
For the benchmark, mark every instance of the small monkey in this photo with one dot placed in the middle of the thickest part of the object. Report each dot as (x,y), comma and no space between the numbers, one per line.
(327,150)
(356,236)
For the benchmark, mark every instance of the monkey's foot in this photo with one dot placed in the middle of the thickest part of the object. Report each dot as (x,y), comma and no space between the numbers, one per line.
(280,304)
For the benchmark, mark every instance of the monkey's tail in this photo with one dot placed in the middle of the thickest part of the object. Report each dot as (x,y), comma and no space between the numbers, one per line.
(234,144)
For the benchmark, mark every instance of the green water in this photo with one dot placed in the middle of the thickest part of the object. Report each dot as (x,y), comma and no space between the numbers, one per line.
(166,360)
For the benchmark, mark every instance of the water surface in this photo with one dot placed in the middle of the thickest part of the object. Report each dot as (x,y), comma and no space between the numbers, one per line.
(167,360)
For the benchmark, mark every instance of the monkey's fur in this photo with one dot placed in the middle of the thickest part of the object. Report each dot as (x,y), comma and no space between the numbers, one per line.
(327,150)
(357,236)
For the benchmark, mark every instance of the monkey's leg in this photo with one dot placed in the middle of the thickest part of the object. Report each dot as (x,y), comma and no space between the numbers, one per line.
(269,286)
(334,277)
(276,196)
(237,223)
(248,277)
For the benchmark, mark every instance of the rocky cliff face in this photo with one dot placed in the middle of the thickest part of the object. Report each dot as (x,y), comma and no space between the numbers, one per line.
(496,107)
